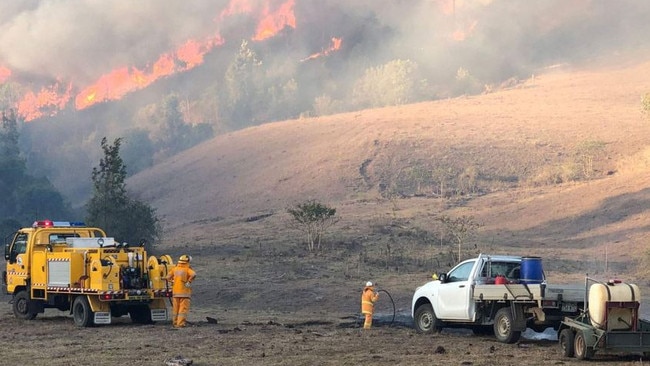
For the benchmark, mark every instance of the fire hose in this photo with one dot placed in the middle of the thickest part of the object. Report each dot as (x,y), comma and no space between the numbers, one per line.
(392,302)
(394,310)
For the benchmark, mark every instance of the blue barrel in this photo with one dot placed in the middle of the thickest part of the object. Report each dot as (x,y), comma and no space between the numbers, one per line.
(531,270)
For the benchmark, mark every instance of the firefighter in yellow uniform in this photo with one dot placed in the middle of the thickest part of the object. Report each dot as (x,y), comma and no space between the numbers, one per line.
(368,299)
(182,276)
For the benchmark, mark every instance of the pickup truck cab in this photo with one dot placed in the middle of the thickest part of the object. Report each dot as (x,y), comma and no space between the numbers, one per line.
(487,295)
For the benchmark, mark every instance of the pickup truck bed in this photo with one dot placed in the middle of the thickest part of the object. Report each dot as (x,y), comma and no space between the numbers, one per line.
(529,292)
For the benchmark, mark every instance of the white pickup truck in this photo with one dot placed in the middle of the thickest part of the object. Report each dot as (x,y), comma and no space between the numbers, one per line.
(487,295)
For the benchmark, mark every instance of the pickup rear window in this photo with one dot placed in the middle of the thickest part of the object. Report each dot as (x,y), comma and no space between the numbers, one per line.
(509,269)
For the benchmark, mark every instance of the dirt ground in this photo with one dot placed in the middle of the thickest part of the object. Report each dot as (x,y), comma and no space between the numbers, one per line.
(246,338)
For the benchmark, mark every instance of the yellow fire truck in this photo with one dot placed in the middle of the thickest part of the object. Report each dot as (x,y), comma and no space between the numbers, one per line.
(70,266)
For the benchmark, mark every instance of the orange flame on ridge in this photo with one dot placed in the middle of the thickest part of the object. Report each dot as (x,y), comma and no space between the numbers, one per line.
(460,34)
(5,73)
(48,101)
(273,22)
(336,44)
(119,82)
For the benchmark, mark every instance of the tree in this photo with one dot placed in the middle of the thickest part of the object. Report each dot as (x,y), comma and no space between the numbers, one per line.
(138,150)
(460,229)
(586,152)
(12,165)
(313,218)
(241,81)
(393,83)
(111,208)
(175,131)
(24,197)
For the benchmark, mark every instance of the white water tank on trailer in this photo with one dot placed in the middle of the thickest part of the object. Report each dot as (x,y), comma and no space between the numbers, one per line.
(614,318)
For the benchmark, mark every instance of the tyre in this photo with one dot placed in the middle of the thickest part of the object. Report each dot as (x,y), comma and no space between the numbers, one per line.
(81,312)
(503,324)
(140,314)
(425,320)
(21,306)
(581,350)
(567,339)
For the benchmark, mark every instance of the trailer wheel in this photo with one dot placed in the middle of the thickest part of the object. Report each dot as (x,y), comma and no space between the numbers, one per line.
(582,352)
(503,327)
(81,312)
(426,320)
(567,339)
(21,306)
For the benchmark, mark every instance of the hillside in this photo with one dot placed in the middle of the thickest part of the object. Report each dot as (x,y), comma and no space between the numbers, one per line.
(348,157)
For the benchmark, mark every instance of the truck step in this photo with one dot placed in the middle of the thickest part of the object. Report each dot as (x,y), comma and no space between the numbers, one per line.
(102,317)
(158,315)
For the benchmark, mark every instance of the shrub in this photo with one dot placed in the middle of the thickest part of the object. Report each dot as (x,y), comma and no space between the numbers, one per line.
(313,218)
(645,104)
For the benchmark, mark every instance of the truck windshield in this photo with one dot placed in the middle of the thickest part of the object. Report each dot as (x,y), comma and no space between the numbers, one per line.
(20,244)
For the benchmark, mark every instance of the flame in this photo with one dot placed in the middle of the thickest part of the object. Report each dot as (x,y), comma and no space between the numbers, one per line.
(236,7)
(5,73)
(336,44)
(47,102)
(461,34)
(273,22)
(121,81)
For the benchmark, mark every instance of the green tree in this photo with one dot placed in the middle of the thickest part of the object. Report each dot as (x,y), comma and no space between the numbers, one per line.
(393,83)
(25,197)
(242,85)
(313,218)
(111,208)
(138,150)
(175,131)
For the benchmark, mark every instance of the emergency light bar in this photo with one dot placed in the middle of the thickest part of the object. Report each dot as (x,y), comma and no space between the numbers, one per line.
(50,223)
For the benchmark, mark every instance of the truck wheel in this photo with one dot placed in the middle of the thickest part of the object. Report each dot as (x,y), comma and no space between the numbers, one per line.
(582,352)
(503,327)
(21,306)
(83,315)
(567,339)
(140,314)
(426,320)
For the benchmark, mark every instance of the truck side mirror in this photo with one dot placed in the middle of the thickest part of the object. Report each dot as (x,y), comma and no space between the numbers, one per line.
(442,277)
(7,251)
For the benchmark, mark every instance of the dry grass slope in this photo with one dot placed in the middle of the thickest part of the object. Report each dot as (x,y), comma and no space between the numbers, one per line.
(511,137)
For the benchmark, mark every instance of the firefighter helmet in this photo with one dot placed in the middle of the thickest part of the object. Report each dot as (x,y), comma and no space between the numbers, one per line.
(368,284)
(185,258)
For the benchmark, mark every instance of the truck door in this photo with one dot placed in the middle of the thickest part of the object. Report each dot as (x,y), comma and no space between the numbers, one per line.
(454,295)
(17,262)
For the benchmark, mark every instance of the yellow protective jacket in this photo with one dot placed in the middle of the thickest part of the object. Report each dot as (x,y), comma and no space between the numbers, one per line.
(181,275)
(368,299)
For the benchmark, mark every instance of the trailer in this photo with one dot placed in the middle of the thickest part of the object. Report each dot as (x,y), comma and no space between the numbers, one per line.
(610,324)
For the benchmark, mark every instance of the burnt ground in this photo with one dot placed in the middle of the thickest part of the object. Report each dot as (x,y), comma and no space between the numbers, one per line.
(261,338)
